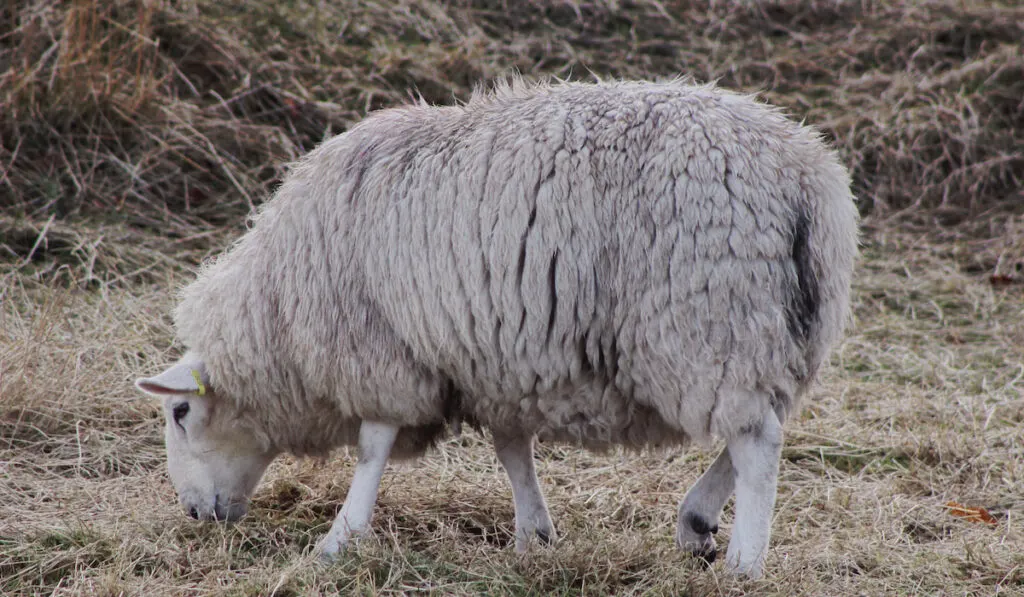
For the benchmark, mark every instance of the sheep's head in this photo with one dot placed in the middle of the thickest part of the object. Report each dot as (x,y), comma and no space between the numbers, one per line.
(214,458)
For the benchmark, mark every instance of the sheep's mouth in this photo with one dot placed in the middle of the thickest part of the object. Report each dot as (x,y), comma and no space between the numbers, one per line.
(229,510)
(221,511)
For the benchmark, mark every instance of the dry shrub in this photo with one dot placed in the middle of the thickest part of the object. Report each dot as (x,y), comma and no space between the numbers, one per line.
(89,257)
(169,115)
(98,118)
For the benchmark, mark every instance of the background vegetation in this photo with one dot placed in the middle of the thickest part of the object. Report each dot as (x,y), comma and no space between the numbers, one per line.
(136,135)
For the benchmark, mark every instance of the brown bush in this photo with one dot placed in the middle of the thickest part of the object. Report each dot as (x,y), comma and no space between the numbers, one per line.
(175,114)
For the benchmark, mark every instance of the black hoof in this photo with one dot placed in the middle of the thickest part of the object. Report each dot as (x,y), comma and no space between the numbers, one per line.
(696,538)
(707,557)
(543,537)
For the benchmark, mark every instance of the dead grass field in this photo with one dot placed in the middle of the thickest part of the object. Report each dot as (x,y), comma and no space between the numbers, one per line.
(135,136)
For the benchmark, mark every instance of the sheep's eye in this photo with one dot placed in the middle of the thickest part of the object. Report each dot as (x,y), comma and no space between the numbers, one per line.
(179,412)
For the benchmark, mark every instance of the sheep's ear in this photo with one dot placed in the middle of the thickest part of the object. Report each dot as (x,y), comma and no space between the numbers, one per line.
(187,376)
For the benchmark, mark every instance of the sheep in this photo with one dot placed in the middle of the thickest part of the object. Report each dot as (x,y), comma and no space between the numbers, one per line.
(638,264)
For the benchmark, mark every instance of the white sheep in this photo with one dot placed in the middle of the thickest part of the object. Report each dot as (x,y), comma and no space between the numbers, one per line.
(620,263)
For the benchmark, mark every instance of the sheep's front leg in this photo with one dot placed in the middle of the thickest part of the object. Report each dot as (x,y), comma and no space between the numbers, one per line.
(375,441)
(700,509)
(755,453)
(515,451)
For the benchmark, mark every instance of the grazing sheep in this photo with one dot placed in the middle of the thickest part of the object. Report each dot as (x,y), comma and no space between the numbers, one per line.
(626,263)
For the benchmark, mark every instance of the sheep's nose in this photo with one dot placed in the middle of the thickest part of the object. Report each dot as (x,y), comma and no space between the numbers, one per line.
(193,512)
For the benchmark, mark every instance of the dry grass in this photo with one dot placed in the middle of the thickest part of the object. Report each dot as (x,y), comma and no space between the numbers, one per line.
(135,136)
(922,406)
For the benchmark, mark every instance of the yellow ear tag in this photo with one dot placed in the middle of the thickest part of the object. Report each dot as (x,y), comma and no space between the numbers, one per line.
(199,382)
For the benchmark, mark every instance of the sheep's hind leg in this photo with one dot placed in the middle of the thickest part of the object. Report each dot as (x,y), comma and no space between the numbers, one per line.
(755,453)
(515,451)
(375,442)
(700,509)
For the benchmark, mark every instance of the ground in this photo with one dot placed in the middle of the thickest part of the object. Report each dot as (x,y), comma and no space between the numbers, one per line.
(134,138)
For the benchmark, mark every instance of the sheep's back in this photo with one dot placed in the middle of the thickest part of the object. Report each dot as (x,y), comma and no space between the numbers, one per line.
(634,236)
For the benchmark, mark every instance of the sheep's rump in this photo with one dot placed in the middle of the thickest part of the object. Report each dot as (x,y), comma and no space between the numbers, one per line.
(631,263)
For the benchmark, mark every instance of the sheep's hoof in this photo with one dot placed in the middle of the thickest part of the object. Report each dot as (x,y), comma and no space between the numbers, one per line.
(694,535)
(330,548)
(707,555)
(329,555)
(737,566)
(703,548)
(537,536)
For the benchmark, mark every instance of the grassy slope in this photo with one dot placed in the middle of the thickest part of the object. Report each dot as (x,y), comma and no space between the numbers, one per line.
(125,162)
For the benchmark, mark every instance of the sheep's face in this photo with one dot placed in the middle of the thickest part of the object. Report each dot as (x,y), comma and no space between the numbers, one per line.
(214,459)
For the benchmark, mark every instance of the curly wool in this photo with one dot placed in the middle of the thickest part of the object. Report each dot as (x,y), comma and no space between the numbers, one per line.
(615,263)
